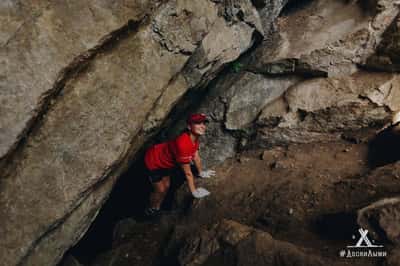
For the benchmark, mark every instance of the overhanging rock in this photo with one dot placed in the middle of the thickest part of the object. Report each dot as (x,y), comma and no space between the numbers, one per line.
(92,123)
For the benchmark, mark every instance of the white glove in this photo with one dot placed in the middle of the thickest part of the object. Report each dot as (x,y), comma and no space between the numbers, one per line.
(207,173)
(200,193)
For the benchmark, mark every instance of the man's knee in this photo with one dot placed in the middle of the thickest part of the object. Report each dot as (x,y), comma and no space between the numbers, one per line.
(167,184)
(162,187)
(158,187)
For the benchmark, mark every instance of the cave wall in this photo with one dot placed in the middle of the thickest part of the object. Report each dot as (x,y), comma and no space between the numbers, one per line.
(84,85)
(314,77)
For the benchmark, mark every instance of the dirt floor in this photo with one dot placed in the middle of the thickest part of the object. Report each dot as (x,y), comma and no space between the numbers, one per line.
(305,194)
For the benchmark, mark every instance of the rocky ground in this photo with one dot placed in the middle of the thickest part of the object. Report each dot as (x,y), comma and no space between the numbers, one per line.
(293,205)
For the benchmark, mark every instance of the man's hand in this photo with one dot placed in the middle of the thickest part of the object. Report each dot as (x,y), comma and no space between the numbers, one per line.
(207,173)
(200,193)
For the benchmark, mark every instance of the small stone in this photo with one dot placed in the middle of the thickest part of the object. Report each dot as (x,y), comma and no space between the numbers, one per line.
(243,159)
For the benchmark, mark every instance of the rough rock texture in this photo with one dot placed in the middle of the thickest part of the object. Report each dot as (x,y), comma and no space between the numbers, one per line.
(269,10)
(327,36)
(39,42)
(382,217)
(312,60)
(233,106)
(322,109)
(235,244)
(85,84)
(386,57)
(136,243)
(91,99)
(247,95)
(394,258)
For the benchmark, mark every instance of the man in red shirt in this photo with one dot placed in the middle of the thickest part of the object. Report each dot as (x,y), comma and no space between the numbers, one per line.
(162,159)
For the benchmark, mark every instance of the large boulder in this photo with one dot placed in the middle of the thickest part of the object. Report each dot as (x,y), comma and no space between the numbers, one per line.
(42,44)
(235,244)
(382,219)
(322,109)
(329,37)
(304,82)
(85,94)
(137,243)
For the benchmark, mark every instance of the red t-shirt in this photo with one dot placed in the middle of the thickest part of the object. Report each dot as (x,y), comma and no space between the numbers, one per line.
(166,155)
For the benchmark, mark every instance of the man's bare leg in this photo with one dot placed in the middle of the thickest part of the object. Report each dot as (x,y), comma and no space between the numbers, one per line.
(160,189)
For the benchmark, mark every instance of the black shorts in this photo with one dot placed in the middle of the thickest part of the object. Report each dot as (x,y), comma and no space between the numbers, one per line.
(156,175)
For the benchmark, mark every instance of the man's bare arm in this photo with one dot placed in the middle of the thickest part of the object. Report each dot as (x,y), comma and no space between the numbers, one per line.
(189,176)
(197,161)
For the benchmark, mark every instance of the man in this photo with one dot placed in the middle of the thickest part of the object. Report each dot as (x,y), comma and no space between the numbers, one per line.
(163,159)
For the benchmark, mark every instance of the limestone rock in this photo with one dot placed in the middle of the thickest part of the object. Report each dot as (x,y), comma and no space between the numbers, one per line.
(95,90)
(329,37)
(248,95)
(387,54)
(39,42)
(243,245)
(233,104)
(269,11)
(386,213)
(321,109)
(317,39)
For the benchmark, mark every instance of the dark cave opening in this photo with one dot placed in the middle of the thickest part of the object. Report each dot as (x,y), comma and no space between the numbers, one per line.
(336,226)
(128,199)
(384,148)
(130,194)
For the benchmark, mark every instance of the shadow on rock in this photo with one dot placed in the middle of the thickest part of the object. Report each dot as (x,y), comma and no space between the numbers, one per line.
(384,148)
(336,226)
(127,200)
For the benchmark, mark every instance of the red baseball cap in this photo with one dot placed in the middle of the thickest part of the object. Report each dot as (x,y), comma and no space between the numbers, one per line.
(197,118)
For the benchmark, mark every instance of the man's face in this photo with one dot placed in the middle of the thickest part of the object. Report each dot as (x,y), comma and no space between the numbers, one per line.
(198,129)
